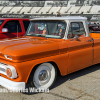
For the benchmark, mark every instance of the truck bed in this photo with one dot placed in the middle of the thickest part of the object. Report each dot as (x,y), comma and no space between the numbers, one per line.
(95,35)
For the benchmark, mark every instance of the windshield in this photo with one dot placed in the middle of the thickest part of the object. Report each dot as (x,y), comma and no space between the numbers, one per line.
(47,28)
(1,21)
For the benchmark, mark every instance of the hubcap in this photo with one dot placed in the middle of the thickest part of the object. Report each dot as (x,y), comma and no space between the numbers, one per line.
(43,75)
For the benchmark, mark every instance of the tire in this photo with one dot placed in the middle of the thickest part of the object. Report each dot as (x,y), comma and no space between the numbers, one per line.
(43,77)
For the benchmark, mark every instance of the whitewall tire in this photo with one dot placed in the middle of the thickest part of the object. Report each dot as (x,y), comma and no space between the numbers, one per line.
(43,76)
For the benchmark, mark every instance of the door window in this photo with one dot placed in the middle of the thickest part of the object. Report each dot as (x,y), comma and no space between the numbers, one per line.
(76,28)
(1,21)
(13,26)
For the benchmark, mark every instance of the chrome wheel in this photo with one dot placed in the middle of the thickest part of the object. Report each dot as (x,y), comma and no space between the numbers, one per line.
(43,75)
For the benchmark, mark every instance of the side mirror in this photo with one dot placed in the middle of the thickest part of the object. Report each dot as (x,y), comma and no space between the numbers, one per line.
(5,30)
(76,37)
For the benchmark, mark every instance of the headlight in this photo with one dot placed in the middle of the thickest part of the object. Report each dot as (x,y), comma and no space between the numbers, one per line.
(8,70)
(8,57)
(11,72)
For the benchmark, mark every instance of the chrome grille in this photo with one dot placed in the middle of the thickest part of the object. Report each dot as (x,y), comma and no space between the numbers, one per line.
(3,63)
(2,69)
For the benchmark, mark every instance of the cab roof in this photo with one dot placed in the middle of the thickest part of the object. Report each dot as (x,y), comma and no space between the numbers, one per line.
(61,18)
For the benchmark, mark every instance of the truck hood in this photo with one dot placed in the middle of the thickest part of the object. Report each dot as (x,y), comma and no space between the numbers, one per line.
(28,48)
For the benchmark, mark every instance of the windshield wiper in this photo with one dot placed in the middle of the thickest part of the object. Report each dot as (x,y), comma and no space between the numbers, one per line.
(38,35)
(31,34)
(41,35)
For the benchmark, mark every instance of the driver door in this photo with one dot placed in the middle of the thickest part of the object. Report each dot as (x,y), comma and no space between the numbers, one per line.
(80,48)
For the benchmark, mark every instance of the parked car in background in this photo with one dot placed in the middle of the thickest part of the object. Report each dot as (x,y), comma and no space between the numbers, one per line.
(11,27)
(94,27)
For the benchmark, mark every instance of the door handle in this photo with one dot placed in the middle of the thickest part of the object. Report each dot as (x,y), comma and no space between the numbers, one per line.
(89,40)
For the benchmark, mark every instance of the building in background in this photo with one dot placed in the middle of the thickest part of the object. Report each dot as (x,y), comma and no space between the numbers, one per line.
(42,3)
(88,8)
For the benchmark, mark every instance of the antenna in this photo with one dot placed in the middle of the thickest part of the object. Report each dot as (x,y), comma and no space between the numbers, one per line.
(17,31)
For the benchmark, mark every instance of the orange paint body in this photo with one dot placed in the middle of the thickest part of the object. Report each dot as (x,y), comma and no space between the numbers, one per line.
(96,47)
(69,55)
(95,35)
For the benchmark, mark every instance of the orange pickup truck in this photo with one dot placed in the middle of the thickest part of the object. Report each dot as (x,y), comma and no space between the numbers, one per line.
(50,44)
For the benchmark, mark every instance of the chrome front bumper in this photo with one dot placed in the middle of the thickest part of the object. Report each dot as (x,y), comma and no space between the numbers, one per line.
(11,85)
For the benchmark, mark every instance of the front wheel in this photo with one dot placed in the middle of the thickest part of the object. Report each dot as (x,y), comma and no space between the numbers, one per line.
(44,76)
